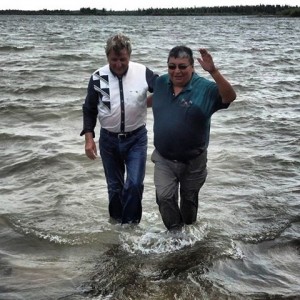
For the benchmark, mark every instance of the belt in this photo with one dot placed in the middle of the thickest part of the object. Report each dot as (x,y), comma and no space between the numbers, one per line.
(122,135)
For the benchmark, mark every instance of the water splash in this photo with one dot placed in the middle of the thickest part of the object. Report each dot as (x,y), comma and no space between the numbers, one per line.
(161,242)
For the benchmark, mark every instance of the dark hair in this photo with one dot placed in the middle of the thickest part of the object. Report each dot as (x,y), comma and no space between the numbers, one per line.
(118,43)
(181,52)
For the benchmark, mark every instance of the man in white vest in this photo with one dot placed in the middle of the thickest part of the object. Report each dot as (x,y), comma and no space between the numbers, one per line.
(117,96)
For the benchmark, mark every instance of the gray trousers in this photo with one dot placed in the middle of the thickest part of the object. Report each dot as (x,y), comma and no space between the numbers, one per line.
(172,178)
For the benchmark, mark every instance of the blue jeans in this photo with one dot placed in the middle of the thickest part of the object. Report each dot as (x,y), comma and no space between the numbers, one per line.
(124,156)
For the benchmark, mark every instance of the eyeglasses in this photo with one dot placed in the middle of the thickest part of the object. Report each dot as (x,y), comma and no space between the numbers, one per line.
(180,67)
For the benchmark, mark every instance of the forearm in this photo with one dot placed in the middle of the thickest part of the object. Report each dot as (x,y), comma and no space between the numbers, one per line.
(226,90)
(89,136)
(90,110)
(89,120)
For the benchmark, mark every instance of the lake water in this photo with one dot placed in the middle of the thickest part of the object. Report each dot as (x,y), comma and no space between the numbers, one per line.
(56,241)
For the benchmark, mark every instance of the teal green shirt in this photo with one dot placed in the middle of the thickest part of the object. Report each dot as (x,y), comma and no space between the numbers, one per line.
(182,122)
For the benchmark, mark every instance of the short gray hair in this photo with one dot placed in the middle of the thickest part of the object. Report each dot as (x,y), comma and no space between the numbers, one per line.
(117,43)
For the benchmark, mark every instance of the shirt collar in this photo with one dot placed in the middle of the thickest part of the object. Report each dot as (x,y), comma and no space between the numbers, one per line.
(116,74)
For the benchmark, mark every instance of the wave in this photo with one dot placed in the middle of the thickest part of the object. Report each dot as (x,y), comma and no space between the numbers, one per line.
(14,138)
(29,161)
(70,57)
(38,89)
(117,267)
(266,233)
(28,116)
(15,48)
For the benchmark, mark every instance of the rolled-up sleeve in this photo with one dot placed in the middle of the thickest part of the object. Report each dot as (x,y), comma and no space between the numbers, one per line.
(90,109)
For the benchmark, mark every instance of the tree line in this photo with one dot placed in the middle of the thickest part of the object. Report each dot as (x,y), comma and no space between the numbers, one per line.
(262,10)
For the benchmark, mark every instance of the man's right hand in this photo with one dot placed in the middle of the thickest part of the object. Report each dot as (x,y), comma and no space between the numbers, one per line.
(90,146)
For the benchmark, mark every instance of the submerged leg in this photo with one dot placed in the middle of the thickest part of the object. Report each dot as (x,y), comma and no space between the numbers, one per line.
(166,184)
(192,179)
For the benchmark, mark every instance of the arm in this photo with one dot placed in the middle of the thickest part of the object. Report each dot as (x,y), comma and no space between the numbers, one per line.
(90,111)
(225,88)
(90,146)
(149,101)
(151,79)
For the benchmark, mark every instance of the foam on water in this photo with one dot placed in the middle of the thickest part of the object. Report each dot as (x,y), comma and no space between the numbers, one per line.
(155,242)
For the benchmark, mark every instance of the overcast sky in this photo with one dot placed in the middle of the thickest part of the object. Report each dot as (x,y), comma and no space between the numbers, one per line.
(130,5)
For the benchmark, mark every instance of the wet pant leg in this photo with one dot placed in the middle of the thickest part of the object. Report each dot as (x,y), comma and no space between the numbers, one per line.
(114,169)
(191,180)
(135,156)
(167,184)
(122,156)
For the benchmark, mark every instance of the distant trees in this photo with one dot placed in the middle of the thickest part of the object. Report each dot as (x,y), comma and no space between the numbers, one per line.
(277,10)
(225,10)
(94,11)
(292,12)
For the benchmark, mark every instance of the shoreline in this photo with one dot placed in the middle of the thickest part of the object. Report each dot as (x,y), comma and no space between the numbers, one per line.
(255,10)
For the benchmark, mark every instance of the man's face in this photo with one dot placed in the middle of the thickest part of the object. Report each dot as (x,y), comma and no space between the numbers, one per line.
(118,62)
(180,71)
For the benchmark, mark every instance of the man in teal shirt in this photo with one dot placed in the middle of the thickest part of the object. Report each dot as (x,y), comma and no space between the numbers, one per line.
(183,103)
